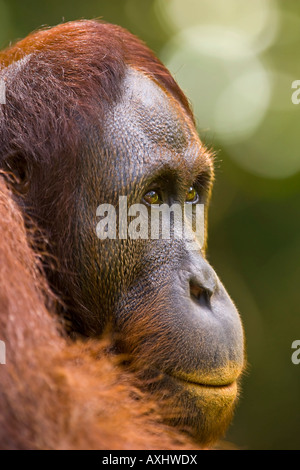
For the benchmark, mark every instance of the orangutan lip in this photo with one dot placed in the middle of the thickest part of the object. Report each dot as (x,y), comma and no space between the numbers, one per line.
(204,385)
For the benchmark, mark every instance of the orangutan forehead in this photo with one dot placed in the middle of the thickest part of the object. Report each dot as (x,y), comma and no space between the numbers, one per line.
(155,112)
(148,132)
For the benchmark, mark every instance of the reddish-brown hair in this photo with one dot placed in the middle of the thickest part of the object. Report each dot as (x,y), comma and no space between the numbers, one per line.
(73,66)
(59,83)
(53,394)
(80,45)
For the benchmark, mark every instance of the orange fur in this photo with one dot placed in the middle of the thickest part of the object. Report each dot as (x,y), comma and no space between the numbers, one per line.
(54,394)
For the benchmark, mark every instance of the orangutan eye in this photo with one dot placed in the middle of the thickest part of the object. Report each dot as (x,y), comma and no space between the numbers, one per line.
(152,197)
(192,195)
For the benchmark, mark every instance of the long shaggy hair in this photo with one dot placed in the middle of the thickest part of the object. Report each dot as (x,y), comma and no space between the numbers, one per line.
(56,394)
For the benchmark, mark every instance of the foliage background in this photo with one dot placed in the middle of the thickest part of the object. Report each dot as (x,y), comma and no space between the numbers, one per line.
(236,60)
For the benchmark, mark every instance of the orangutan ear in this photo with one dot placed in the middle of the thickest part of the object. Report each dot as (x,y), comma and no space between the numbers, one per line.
(19,172)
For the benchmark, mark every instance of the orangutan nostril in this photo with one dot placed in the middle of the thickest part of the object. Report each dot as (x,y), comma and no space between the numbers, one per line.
(199,294)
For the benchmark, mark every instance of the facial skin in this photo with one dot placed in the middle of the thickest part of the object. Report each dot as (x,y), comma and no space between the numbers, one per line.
(165,302)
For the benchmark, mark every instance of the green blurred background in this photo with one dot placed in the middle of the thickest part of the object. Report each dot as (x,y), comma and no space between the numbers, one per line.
(236,60)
